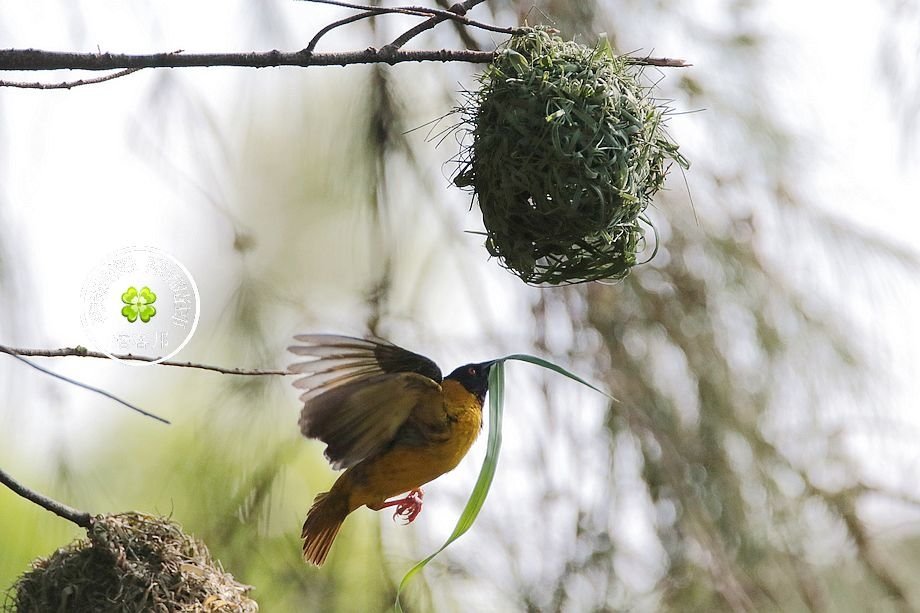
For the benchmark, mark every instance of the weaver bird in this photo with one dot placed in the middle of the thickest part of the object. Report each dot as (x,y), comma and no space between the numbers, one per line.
(388,418)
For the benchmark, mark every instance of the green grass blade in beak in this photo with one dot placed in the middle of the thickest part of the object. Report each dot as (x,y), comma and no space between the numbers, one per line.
(486,473)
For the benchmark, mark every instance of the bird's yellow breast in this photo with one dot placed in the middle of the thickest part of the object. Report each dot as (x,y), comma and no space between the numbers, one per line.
(407,467)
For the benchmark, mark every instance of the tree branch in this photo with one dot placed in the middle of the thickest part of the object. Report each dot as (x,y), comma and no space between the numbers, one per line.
(417,11)
(80,518)
(335,24)
(461,8)
(68,84)
(83,352)
(37,59)
(102,392)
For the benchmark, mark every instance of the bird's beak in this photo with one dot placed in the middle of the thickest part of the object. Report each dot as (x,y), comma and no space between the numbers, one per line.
(487,366)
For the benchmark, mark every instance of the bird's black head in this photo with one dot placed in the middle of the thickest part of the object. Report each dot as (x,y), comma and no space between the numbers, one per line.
(473,377)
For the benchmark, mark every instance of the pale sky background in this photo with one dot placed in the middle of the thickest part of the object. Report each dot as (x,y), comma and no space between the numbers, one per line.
(74,187)
(70,205)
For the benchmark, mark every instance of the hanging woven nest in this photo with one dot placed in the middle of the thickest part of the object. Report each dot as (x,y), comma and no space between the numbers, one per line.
(567,151)
(129,562)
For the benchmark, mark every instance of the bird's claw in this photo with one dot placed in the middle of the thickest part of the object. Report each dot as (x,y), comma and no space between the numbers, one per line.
(409,507)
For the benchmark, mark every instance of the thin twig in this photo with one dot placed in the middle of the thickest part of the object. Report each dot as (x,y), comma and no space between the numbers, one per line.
(372,11)
(662,62)
(368,11)
(468,40)
(83,352)
(68,84)
(461,9)
(80,518)
(408,10)
(424,11)
(14,353)
(335,24)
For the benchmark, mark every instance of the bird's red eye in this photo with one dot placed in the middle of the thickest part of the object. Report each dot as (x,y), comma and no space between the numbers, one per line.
(472,371)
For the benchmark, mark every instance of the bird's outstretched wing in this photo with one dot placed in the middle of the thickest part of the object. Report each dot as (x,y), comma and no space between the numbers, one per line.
(358,393)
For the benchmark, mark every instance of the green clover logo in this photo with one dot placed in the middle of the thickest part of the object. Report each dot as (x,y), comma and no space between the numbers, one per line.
(138,304)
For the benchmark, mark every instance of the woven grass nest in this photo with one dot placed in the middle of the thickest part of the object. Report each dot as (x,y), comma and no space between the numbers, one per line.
(129,562)
(566,153)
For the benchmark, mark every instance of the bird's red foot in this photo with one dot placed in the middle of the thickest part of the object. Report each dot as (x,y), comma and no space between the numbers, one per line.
(407,508)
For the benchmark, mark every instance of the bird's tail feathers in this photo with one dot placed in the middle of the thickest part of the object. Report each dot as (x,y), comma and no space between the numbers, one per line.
(322,525)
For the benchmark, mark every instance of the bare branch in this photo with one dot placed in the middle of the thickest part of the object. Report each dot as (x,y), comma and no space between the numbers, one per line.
(468,40)
(83,352)
(661,62)
(335,24)
(417,11)
(460,9)
(80,518)
(68,84)
(37,59)
(377,10)
(13,352)
(423,11)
